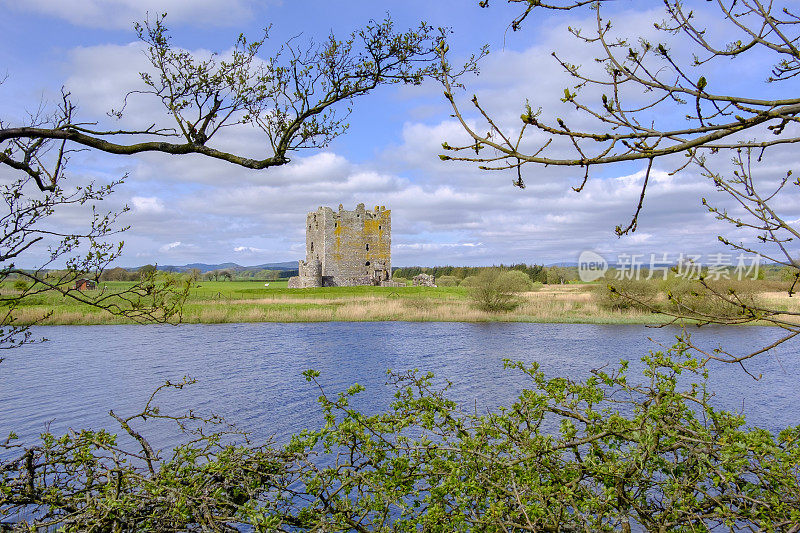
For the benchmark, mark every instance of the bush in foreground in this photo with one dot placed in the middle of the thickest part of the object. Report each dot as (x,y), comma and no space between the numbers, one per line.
(610,453)
(495,291)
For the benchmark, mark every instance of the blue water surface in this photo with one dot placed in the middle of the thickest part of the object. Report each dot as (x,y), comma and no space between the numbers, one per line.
(252,373)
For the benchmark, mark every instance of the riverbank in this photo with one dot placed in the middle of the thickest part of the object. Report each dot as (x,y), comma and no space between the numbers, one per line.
(241,302)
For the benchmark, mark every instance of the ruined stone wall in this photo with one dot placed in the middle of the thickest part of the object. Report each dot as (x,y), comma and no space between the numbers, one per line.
(309,275)
(423,280)
(346,248)
(316,230)
(357,247)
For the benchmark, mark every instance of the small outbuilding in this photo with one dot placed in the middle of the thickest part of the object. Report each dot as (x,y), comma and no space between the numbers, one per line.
(84,284)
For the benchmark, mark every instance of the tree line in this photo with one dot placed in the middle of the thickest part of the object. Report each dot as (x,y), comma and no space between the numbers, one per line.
(536,273)
(229,274)
(194,274)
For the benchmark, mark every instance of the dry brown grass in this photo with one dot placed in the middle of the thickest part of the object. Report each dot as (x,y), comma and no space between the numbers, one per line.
(561,303)
(567,303)
(784,302)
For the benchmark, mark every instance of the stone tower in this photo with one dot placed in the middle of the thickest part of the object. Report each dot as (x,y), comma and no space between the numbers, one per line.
(346,248)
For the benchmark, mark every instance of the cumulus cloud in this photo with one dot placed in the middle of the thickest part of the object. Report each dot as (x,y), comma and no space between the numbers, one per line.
(248,250)
(147,204)
(100,77)
(122,13)
(170,246)
(466,221)
(442,212)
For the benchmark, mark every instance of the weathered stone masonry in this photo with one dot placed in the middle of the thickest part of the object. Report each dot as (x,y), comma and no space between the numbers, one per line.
(346,248)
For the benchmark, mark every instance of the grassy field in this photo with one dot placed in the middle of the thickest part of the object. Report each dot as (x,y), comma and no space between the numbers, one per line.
(254,301)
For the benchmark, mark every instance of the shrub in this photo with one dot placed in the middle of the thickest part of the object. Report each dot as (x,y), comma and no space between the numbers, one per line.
(469,281)
(517,280)
(496,291)
(627,294)
(721,298)
(20,285)
(789,274)
(559,275)
(664,456)
(447,281)
(118,274)
(724,299)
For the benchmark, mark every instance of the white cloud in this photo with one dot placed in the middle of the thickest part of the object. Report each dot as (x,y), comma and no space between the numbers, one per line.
(101,76)
(640,238)
(470,220)
(248,250)
(170,246)
(443,212)
(147,204)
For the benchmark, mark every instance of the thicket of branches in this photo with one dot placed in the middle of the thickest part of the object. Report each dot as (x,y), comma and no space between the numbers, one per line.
(653,99)
(612,452)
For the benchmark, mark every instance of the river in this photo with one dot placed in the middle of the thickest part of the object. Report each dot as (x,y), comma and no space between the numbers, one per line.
(251,373)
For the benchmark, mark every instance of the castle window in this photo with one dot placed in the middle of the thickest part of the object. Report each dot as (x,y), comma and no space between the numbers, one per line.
(312,246)
(379,227)
(366,264)
(368,247)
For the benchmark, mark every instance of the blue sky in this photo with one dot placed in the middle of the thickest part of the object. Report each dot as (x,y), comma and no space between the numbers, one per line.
(191,210)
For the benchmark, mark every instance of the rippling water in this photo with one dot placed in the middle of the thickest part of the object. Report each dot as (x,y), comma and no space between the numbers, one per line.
(251,373)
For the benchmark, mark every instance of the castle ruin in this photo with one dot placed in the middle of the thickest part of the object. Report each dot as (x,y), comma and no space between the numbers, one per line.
(346,248)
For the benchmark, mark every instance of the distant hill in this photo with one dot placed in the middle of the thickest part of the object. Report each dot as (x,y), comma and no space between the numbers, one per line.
(203,267)
(286,265)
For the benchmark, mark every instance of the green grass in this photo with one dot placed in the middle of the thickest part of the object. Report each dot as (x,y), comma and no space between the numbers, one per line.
(236,289)
(238,301)
(254,301)
(240,290)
